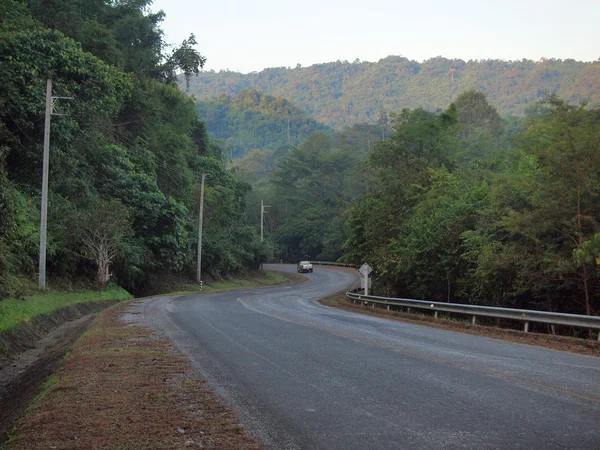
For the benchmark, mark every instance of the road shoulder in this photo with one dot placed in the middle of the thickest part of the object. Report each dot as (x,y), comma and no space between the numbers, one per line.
(123,386)
(42,354)
(564,343)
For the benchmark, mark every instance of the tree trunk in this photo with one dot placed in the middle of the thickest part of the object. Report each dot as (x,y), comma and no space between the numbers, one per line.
(103,262)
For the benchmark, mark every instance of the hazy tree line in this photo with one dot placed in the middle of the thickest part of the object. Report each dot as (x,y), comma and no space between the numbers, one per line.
(256,121)
(343,93)
(125,158)
(457,205)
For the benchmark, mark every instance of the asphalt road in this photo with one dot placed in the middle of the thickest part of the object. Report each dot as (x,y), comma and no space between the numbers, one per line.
(302,375)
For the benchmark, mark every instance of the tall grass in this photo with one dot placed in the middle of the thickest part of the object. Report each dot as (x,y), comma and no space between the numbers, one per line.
(13,312)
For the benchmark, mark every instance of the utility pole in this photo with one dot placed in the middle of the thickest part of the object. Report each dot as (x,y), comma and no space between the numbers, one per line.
(44,217)
(46,162)
(199,268)
(262,215)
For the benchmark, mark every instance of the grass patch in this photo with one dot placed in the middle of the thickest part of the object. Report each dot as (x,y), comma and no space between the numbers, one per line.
(14,312)
(268,278)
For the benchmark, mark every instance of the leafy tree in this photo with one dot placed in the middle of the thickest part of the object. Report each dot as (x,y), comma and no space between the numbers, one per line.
(588,252)
(101,232)
(126,156)
(481,217)
(562,193)
(475,113)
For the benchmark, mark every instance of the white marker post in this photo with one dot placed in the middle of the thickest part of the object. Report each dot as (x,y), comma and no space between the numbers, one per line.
(365,270)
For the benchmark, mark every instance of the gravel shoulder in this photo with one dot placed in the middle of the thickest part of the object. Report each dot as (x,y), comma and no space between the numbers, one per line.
(122,386)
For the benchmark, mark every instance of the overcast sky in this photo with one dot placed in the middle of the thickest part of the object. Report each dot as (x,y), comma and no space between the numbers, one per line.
(251,35)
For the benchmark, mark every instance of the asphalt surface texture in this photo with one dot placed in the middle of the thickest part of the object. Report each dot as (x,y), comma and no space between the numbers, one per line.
(305,376)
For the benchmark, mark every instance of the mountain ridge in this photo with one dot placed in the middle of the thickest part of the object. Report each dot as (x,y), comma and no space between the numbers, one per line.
(343,93)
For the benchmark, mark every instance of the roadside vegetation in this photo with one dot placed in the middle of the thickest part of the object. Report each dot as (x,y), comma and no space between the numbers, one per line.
(127,153)
(14,312)
(458,205)
(255,280)
(185,285)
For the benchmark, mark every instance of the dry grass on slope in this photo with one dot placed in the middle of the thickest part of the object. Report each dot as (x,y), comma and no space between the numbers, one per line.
(122,387)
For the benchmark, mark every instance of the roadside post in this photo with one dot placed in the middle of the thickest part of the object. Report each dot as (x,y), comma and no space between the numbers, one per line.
(365,280)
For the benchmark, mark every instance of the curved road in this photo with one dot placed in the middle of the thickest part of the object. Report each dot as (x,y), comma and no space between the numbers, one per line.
(302,375)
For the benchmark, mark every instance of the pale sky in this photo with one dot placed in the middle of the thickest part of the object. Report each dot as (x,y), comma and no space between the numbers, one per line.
(247,36)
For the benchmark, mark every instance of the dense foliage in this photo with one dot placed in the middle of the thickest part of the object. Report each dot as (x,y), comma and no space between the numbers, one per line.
(340,93)
(457,206)
(126,155)
(255,121)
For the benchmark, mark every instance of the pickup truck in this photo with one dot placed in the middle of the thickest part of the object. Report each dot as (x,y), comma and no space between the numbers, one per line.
(304,266)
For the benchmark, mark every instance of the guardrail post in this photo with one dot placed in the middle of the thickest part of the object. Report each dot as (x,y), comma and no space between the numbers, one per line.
(475,311)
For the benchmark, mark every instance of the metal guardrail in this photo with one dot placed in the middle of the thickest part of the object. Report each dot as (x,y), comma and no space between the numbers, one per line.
(523,315)
(326,263)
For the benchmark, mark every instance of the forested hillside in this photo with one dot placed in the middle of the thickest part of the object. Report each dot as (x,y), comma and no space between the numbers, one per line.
(255,121)
(126,152)
(460,206)
(340,94)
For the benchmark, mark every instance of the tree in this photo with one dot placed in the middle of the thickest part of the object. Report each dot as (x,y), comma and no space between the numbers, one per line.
(185,58)
(588,252)
(474,112)
(102,229)
(565,141)
(309,185)
(543,209)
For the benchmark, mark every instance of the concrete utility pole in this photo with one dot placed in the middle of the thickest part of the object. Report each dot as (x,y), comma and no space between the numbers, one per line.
(44,215)
(199,268)
(46,162)
(262,215)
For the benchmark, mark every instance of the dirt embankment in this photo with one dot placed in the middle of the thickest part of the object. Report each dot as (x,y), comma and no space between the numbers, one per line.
(31,352)
(123,386)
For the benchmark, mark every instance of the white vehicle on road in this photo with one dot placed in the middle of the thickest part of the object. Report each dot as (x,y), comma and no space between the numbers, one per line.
(305,266)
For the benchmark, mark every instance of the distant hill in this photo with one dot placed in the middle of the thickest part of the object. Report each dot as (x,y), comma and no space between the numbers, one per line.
(254,120)
(341,93)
